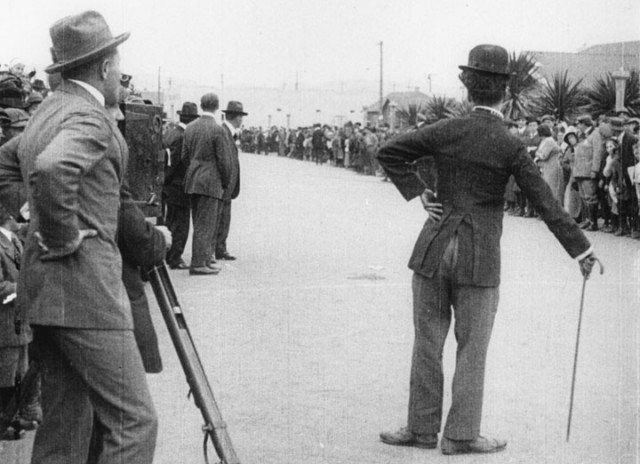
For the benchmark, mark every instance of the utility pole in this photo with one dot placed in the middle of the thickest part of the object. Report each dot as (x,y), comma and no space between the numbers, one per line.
(159,87)
(381,81)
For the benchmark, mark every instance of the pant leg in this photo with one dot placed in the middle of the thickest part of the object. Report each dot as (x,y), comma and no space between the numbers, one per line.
(178,224)
(222,231)
(475,309)
(431,319)
(104,370)
(205,213)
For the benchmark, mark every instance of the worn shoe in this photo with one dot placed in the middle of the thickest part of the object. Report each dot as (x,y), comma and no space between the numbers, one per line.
(226,256)
(404,437)
(203,270)
(480,445)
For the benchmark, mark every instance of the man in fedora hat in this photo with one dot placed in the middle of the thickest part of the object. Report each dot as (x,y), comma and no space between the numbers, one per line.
(176,199)
(71,285)
(456,260)
(207,178)
(231,125)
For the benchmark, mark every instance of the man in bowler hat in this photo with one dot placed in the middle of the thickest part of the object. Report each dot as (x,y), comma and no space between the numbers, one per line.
(176,199)
(71,288)
(456,260)
(231,125)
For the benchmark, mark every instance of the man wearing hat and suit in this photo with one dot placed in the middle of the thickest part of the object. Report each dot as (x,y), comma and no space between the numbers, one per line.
(70,285)
(231,125)
(208,176)
(177,200)
(456,260)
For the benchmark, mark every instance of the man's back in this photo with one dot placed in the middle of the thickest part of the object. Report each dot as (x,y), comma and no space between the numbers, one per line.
(209,169)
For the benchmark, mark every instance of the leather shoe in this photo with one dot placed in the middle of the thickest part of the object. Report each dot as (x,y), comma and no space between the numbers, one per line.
(203,270)
(404,437)
(180,266)
(226,256)
(480,445)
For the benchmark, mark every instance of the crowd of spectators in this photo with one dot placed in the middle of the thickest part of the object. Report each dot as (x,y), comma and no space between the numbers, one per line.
(592,166)
(351,146)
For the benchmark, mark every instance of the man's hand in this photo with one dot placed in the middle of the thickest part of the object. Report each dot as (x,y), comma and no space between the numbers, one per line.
(166,233)
(428,199)
(587,263)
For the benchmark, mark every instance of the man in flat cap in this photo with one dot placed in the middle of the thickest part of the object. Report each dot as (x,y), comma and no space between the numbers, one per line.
(71,285)
(231,125)
(456,260)
(207,178)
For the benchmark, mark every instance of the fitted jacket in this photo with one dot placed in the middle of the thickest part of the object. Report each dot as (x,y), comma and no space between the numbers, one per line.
(205,145)
(73,159)
(474,158)
(176,167)
(233,189)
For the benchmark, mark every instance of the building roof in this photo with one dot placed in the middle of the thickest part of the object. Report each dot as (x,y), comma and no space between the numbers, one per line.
(400,99)
(590,63)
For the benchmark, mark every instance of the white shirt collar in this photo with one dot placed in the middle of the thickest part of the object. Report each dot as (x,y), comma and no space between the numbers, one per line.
(493,111)
(91,89)
(181,124)
(208,113)
(7,233)
(232,129)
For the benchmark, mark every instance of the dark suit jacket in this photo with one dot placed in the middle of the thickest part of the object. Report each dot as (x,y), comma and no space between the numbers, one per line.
(205,146)
(176,169)
(233,190)
(626,158)
(13,193)
(141,245)
(9,268)
(474,158)
(73,158)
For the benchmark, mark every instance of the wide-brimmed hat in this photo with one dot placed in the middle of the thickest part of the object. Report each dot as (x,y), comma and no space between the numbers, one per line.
(189,111)
(570,131)
(38,84)
(491,59)
(79,39)
(234,107)
(17,117)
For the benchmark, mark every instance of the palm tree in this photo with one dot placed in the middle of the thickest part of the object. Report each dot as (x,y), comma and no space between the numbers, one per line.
(462,109)
(523,81)
(561,97)
(602,96)
(438,108)
(408,115)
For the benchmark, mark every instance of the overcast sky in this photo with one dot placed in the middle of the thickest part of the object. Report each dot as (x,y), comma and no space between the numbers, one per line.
(266,42)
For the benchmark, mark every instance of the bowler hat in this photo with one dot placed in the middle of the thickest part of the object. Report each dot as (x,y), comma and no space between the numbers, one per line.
(38,85)
(617,124)
(234,107)
(491,59)
(189,111)
(79,39)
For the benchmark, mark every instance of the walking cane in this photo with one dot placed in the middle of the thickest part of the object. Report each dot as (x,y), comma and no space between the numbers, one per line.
(575,358)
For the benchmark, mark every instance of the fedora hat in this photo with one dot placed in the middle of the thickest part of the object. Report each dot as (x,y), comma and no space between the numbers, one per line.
(189,111)
(79,39)
(491,59)
(234,107)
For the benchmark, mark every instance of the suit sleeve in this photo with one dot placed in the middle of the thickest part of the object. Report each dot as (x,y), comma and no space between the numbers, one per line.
(539,194)
(174,144)
(6,286)
(140,243)
(59,169)
(398,156)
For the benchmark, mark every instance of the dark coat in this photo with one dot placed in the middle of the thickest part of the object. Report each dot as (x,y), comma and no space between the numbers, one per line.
(13,193)
(9,267)
(141,245)
(474,158)
(205,146)
(74,159)
(233,190)
(176,169)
